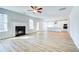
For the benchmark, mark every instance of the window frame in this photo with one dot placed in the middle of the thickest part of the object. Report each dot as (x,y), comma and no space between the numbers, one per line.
(31,24)
(4,22)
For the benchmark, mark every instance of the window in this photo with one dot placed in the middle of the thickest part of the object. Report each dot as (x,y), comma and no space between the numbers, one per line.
(31,26)
(37,26)
(3,22)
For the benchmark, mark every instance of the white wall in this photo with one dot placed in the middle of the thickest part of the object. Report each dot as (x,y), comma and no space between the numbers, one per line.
(13,17)
(44,24)
(74,25)
(16,19)
(35,25)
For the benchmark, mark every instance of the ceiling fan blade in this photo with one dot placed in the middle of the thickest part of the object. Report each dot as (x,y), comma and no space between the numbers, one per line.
(39,8)
(39,11)
(32,7)
(35,7)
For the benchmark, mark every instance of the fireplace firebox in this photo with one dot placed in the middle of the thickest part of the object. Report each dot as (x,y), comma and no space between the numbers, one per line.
(20,30)
(65,26)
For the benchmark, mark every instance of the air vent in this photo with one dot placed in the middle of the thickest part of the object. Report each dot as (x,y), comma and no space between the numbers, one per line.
(61,9)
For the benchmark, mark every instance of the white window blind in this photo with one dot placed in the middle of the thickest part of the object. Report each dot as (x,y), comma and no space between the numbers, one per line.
(3,22)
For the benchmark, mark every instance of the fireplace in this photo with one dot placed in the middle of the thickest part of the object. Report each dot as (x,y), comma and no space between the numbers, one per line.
(65,26)
(20,30)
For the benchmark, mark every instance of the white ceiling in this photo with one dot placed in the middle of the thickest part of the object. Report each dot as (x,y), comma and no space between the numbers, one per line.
(48,11)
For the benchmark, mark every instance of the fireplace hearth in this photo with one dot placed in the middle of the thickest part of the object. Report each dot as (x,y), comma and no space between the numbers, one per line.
(20,30)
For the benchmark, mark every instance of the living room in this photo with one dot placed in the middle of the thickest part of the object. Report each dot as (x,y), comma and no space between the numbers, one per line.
(21,24)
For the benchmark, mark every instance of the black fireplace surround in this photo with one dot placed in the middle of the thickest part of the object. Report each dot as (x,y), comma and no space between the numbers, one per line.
(20,30)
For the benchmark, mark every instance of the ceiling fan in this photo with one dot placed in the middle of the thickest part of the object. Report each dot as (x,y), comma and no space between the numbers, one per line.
(36,9)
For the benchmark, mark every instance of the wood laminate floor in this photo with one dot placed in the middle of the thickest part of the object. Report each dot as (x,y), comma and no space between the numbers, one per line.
(39,42)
